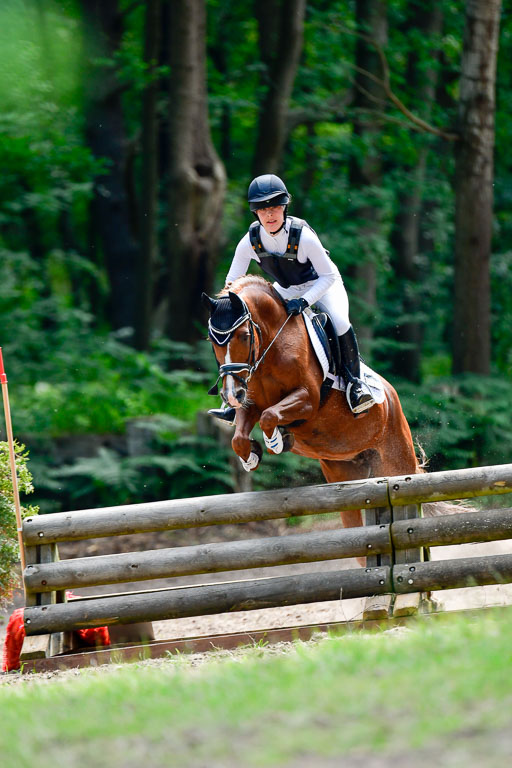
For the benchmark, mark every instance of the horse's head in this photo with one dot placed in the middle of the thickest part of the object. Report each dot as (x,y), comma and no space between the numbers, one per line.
(235,338)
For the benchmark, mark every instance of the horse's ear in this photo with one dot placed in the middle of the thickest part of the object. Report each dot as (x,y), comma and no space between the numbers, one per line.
(237,303)
(208,303)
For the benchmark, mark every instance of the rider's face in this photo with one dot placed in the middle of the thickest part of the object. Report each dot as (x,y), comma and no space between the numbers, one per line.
(271,219)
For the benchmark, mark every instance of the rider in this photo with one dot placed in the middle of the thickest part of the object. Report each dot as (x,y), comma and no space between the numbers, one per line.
(289,251)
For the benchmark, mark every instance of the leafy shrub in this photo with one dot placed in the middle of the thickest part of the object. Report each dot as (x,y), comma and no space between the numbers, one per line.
(460,421)
(173,464)
(9,549)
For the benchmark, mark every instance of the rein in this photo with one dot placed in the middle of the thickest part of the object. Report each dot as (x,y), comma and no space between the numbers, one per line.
(234,369)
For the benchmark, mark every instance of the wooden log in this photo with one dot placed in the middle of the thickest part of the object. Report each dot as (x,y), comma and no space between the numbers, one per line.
(207,510)
(411,553)
(378,517)
(47,555)
(377,607)
(207,558)
(31,557)
(36,647)
(206,599)
(267,505)
(453,484)
(451,574)
(407,604)
(463,528)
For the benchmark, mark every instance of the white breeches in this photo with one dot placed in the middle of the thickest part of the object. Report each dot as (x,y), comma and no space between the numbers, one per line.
(334,302)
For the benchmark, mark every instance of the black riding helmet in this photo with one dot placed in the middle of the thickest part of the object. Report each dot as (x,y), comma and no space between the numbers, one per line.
(266,191)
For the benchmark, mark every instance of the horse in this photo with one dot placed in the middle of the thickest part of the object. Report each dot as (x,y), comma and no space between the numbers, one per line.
(270,373)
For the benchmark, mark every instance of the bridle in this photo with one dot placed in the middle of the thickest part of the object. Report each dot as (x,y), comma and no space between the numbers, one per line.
(222,337)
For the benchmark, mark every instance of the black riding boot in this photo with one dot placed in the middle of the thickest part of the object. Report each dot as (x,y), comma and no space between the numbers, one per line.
(226,413)
(359,395)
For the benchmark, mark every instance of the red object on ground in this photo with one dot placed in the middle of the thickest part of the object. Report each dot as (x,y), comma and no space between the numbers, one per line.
(13,641)
(15,635)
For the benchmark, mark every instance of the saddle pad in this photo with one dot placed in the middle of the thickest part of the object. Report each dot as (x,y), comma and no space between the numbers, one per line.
(371,378)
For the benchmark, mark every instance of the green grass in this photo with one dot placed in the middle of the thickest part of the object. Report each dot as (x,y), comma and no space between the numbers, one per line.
(379,693)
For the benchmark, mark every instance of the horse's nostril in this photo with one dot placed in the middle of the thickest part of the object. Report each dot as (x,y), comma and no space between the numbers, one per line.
(240,395)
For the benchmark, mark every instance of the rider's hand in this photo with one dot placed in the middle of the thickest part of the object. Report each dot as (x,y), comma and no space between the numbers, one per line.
(296,306)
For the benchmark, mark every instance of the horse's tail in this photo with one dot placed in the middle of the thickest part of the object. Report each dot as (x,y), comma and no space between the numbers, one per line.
(438,508)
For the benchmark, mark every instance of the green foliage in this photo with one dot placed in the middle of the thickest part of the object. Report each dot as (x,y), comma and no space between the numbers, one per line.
(171,463)
(69,379)
(9,548)
(106,385)
(70,375)
(460,421)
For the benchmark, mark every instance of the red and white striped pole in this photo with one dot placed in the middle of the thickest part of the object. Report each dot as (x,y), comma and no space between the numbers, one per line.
(12,459)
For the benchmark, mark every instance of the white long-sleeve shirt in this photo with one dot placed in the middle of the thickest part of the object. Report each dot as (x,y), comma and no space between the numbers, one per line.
(310,248)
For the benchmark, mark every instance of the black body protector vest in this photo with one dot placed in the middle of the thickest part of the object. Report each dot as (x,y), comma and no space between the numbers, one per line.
(284,267)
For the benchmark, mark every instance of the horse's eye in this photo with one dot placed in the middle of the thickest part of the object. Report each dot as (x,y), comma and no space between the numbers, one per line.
(244,337)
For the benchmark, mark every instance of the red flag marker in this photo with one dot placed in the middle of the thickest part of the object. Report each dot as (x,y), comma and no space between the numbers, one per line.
(12,459)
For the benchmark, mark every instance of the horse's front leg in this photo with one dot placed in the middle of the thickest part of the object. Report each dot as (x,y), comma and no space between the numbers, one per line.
(248,451)
(296,405)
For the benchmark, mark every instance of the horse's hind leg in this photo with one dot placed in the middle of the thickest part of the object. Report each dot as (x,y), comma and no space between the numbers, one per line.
(341,471)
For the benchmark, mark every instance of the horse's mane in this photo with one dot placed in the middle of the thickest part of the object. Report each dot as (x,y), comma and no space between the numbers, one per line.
(249,281)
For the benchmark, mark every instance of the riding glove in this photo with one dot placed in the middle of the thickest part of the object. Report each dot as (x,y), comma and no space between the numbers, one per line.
(296,306)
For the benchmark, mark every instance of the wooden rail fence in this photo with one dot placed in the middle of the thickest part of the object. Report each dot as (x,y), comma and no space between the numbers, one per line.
(392,540)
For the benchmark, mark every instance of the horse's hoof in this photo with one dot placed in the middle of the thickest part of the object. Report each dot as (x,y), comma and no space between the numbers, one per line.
(288,441)
(251,463)
(254,459)
(274,443)
(280,441)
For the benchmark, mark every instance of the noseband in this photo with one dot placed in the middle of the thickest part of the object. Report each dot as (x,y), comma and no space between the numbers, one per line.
(222,337)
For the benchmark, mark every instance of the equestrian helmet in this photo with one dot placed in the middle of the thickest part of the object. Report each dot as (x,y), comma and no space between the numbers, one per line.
(266,191)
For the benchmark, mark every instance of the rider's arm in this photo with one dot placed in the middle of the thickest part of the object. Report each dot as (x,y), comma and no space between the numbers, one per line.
(241,260)
(311,248)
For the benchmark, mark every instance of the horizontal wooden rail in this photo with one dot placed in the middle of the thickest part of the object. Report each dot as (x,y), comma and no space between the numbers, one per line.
(266,593)
(204,510)
(462,528)
(477,526)
(206,599)
(267,505)
(452,574)
(207,558)
(453,484)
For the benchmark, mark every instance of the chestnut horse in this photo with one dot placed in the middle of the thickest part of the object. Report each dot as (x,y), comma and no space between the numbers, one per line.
(271,375)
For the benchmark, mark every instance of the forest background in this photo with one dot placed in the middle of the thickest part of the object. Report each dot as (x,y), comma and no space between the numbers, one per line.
(129,133)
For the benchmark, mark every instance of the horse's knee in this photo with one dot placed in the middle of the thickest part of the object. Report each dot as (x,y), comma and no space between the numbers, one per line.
(241,446)
(269,421)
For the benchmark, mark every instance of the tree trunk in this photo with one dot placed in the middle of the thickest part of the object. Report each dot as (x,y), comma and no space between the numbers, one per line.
(406,234)
(366,164)
(473,188)
(106,135)
(148,227)
(196,175)
(281,26)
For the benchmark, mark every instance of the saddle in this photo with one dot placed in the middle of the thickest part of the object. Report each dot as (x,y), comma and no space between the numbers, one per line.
(324,339)
(328,338)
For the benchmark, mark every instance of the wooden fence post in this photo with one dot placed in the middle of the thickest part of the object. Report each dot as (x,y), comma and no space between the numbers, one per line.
(378,606)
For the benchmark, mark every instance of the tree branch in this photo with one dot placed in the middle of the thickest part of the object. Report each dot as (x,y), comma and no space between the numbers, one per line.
(332,110)
(384,83)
